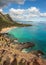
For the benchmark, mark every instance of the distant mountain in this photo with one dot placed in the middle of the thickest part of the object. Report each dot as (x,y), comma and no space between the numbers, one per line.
(6,21)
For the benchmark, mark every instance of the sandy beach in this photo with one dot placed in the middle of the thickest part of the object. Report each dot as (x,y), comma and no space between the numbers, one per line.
(4,30)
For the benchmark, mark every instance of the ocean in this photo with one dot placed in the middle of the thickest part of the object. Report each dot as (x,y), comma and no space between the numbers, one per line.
(35,34)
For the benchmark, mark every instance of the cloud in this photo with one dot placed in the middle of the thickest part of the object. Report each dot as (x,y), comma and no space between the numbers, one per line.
(5,2)
(30,12)
(1,10)
(43,14)
(26,14)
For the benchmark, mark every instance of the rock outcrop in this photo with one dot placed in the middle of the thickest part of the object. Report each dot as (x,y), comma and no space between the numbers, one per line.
(25,45)
(9,55)
(14,62)
(38,53)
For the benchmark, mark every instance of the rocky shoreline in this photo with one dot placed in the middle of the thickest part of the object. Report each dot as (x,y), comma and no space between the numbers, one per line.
(10,53)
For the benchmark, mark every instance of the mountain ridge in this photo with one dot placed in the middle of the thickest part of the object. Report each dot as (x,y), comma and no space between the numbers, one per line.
(6,21)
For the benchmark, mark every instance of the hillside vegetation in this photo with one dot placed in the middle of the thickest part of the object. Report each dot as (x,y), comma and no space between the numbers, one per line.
(6,21)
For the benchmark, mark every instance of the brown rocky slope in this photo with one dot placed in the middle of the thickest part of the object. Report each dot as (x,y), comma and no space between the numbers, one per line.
(10,55)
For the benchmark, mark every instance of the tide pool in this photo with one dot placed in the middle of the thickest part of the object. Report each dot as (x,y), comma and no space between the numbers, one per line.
(35,34)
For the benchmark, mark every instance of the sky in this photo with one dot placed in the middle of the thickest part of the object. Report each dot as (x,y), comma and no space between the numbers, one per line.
(24,10)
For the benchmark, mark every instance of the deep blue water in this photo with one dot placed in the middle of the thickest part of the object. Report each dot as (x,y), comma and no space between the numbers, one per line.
(35,34)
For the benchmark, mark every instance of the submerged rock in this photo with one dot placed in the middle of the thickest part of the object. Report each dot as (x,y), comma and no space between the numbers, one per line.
(28,44)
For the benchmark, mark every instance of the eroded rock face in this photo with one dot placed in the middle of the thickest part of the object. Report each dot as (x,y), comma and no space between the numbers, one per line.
(10,55)
(35,62)
(22,62)
(38,53)
(14,62)
(7,61)
(28,63)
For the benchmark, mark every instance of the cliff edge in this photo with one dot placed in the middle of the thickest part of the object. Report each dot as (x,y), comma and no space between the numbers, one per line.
(10,55)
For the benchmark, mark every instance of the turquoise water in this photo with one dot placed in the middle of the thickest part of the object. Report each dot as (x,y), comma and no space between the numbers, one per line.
(35,34)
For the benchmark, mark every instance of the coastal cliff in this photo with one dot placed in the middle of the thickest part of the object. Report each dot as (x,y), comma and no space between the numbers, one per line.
(10,55)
